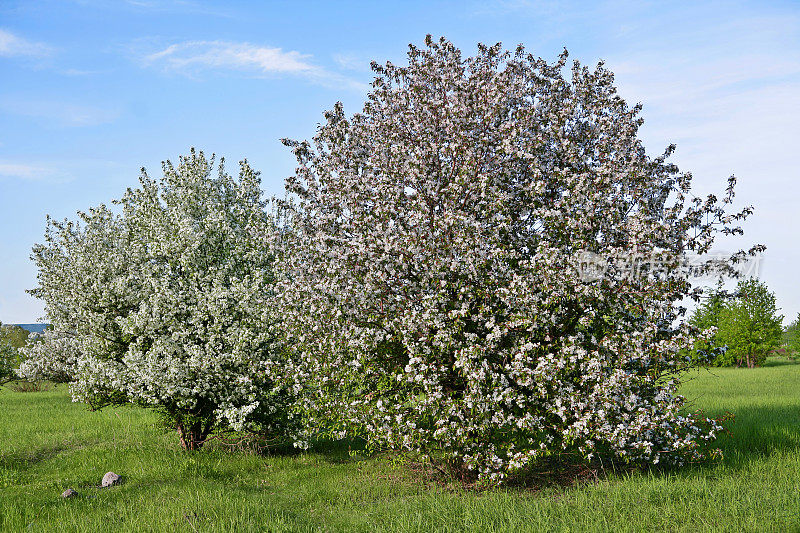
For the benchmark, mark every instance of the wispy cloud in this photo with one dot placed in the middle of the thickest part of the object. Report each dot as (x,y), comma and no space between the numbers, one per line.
(81,72)
(239,56)
(193,57)
(14,46)
(59,113)
(149,4)
(48,169)
(24,171)
(352,61)
(726,98)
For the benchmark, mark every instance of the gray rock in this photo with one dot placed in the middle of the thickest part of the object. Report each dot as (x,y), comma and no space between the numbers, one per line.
(69,493)
(111,479)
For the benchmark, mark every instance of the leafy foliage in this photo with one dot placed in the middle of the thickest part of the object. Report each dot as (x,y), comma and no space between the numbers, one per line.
(742,328)
(9,356)
(705,318)
(430,279)
(791,337)
(14,335)
(749,326)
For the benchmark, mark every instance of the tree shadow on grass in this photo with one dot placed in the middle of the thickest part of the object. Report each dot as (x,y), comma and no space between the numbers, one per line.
(331,451)
(760,431)
(757,432)
(779,361)
(340,451)
(24,460)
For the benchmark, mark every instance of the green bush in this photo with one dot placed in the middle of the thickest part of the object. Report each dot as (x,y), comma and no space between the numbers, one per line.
(9,356)
(748,327)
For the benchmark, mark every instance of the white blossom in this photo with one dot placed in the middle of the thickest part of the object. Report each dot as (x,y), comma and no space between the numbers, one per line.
(51,356)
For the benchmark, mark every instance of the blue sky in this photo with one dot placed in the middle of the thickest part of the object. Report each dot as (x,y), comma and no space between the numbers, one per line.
(92,90)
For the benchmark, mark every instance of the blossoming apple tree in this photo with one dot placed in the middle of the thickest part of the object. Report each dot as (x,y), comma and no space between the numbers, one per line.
(430,277)
(166,296)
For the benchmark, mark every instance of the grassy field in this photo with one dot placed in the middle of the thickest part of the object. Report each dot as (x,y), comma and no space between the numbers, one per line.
(48,444)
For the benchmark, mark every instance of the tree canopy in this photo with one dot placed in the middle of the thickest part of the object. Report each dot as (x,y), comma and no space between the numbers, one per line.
(430,278)
(745,325)
(8,356)
(165,296)
(749,325)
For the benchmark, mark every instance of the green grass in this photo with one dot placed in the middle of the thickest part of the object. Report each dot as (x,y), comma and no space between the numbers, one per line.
(48,444)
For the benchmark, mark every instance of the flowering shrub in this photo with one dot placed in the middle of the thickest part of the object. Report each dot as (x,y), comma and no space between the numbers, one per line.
(431,282)
(52,356)
(167,300)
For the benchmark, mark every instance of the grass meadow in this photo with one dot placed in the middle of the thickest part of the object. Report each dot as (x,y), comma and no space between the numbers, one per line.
(48,444)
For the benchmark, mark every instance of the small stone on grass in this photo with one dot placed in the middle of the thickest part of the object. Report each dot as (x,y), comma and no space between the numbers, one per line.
(111,479)
(69,493)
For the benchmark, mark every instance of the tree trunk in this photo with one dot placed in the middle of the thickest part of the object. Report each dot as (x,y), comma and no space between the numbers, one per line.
(193,435)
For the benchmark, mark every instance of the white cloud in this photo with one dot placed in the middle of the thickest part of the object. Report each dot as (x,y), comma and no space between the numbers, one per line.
(192,57)
(81,72)
(59,113)
(237,56)
(24,171)
(45,169)
(14,46)
(351,61)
